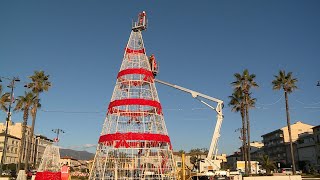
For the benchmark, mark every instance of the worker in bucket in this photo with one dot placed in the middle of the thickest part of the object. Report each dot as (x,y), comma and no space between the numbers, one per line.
(141,18)
(65,172)
(153,65)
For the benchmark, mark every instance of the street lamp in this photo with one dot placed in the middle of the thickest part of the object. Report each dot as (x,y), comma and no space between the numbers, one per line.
(13,80)
(57,131)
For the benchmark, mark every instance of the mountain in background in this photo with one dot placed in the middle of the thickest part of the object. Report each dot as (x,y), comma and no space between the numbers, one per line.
(80,155)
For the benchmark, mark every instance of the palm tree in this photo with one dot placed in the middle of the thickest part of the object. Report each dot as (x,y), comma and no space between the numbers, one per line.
(267,164)
(36,105)
(24,103)
(181,152)
(244,82)
(40,83)
(237,102)
(4,100)
(238,105)
(288,84)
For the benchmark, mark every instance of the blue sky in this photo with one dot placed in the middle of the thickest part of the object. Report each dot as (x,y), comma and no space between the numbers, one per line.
(199,45)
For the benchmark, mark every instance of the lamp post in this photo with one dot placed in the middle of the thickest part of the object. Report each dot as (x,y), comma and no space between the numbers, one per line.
(57,131)
(13,80)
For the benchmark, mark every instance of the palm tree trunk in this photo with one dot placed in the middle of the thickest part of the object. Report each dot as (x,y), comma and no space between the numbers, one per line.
(23,134)
(248,139)
(244,141)
(31,136)
(289,130)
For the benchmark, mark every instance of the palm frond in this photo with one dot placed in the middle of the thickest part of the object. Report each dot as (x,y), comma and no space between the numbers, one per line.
(40,82)
(284,81)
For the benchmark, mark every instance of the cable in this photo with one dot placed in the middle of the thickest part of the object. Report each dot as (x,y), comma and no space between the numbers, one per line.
(271,103)
(61,111)
(306,103)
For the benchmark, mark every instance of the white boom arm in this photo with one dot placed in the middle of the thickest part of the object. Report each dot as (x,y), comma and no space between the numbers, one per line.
(218,109)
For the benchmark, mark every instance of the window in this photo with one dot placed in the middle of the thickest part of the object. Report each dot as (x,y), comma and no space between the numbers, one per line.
(179,164)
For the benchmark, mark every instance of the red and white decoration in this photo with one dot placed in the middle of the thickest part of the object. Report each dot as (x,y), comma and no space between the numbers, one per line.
(134,142)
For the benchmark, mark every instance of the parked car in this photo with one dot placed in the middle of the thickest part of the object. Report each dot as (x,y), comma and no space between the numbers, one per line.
(298,172)
(6,173)
(287,171)
(262,171)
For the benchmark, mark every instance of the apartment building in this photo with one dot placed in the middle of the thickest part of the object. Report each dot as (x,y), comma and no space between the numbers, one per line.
(13,145)
(306,150)
(277,144)
(232,160)
(256,151)
(316,135)
(37,146)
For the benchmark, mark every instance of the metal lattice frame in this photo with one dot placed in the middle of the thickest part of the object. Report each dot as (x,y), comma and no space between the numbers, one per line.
(50,160)
(134,143)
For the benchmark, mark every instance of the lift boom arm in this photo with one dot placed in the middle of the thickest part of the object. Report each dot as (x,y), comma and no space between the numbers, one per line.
(218,109)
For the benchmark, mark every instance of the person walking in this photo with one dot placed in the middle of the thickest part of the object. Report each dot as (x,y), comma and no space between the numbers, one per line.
(65,172)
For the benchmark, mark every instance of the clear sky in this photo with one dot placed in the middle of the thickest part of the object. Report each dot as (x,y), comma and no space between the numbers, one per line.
(199,45)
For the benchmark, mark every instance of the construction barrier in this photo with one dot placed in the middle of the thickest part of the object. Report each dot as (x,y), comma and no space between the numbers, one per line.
(48,175)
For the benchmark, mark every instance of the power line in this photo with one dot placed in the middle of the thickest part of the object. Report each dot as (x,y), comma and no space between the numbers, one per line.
(271,103)
(72,112)
(306,103)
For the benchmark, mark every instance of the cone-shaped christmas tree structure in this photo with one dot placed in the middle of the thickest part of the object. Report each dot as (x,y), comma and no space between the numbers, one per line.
(134,143)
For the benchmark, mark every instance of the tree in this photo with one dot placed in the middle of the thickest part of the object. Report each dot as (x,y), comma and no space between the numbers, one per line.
(36,105)
(288,83)
(195,157)
(181,152)
(238,105)
(244,82)
(267,164)
(39,83)
(4,100)
(24,103)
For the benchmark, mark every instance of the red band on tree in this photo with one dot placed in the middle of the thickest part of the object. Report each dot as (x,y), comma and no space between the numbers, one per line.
(143,102)
(128,50)
(130,113)
(122,138)
(148,74)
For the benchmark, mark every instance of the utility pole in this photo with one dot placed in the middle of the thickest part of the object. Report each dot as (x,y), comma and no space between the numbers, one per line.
(5,144)
(57,131)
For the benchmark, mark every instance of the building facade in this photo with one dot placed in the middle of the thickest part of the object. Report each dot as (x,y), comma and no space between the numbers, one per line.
(306,150)
(37,143)
(232,160)
(13,145)
(277,144)
(316,135)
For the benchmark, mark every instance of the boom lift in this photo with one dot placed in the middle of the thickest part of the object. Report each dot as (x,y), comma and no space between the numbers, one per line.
(210,164)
